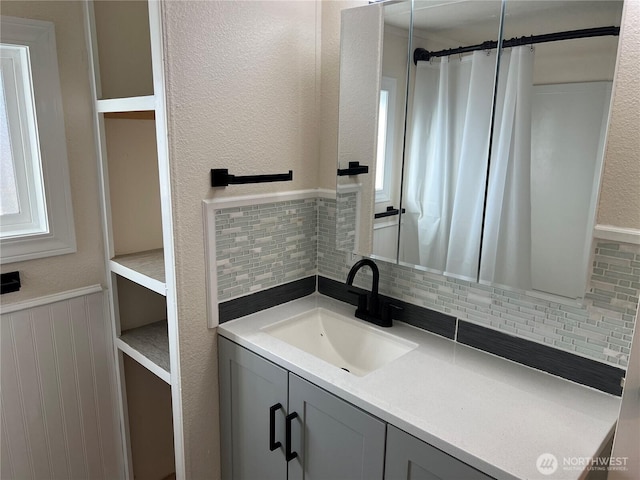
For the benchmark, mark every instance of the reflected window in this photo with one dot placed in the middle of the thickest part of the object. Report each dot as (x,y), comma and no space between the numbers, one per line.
(386,127)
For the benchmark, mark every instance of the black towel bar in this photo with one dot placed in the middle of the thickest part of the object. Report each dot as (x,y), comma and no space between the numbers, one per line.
(220,177)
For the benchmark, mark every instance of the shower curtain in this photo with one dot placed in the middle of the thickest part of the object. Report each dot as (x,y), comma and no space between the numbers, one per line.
(447,161)
(448,149)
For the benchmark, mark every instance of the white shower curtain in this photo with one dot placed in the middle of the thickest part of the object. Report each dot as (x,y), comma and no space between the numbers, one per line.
(447,167)
(447,163)
(506,245)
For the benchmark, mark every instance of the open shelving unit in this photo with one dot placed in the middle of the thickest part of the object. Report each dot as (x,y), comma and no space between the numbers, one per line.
(130,119)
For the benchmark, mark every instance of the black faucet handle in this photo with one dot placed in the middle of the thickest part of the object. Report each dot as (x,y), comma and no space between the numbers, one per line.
(390,311)
(363,299)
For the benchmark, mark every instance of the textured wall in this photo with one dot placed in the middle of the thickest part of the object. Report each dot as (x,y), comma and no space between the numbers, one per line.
(242,94)
(85,267)
(620,189)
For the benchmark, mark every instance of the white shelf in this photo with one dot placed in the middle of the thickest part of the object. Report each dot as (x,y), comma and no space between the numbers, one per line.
(143,268)
(128,104)
(149,346)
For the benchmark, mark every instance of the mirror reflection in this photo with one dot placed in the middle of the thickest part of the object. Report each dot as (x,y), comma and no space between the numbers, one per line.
(448,132)
(374,58)
(485,165)
(552,109)
(390,133)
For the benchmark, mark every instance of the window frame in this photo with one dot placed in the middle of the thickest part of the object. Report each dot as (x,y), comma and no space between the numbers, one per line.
(59,239)
(389,85)
(22,129)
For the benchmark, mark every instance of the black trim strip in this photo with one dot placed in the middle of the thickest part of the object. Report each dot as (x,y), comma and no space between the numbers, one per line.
(542,357)
(239,307)
(424,318)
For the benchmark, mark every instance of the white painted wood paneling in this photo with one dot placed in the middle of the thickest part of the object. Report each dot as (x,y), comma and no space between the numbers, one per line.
(58,398)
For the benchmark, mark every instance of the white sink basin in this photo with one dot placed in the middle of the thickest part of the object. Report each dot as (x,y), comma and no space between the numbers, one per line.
(342,341)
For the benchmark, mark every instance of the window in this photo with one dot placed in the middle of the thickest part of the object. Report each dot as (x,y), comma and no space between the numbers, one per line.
(36,218)
(386,128)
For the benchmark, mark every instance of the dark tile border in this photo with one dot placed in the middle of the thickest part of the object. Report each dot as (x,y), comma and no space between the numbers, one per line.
(542,357)
(254,302)
(424,318)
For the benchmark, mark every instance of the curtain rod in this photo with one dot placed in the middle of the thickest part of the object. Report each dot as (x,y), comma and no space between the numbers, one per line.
(425,55)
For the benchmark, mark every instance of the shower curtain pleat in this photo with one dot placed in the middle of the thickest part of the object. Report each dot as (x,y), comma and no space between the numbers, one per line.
(506,251)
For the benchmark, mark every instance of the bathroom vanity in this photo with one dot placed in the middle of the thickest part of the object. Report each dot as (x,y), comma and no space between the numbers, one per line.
(439,408)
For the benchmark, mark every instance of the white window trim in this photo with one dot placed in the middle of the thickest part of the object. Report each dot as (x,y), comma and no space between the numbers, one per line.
(39,36)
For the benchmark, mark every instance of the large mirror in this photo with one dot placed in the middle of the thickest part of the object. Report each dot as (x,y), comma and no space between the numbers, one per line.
(502,147)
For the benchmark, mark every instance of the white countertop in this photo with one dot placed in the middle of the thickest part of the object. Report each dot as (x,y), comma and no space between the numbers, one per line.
(491,413)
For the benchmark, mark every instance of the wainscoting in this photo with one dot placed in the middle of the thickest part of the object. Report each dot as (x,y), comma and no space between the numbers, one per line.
(59,417)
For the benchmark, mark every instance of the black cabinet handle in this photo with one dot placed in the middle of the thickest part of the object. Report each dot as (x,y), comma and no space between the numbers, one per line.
(273,445)
(289,455)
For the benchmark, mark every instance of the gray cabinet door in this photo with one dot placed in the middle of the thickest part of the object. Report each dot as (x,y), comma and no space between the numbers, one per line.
(409,458)
(333,439)
(249,387)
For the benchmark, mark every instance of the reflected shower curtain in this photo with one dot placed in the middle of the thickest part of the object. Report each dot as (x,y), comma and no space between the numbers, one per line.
(506,245)
(447,163)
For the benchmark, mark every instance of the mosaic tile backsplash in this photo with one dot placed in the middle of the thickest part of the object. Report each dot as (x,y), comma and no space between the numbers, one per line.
(600,328)
(345,231)
(265,245)
(261,246)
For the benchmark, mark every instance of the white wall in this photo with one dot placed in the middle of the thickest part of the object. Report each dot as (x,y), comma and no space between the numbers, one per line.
(86,266)
(567,134)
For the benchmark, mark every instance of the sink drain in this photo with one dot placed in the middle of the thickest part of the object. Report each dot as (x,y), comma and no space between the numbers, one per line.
(345,369)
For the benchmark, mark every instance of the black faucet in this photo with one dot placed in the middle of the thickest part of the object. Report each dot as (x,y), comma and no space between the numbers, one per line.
(370,307)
